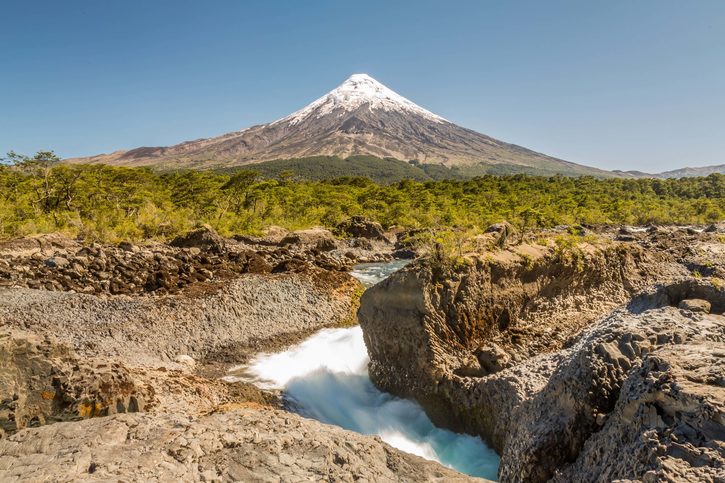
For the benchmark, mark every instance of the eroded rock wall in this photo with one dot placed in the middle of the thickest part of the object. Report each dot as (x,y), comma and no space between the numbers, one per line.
(549,429)
(497,311)
(527,357)
(668,423)
(42,381)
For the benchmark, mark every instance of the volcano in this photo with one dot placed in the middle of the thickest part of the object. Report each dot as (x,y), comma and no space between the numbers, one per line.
(359,117)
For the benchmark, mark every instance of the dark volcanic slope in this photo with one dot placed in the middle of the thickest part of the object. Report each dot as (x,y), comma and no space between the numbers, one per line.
(361,116)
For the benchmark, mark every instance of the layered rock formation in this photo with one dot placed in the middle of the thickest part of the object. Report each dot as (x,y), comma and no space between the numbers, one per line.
(233,318)
(524,347)
(667,424)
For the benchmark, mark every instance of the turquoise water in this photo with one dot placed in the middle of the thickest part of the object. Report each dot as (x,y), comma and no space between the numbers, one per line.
(325,378)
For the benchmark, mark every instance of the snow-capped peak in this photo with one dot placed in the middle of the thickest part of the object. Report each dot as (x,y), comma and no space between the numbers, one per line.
(356,91)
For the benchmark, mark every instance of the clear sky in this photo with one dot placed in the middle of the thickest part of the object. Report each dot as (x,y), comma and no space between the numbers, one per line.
(618,84)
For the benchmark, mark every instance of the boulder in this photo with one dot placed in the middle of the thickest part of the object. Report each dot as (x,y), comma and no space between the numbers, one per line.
(695,305)
(501,227)
(361,227)
(257,264)
(128,247)
(492,358)
(326,245)
(187,361)
(205,238)
(57,262)
(362,244)
(504,233)
(292,265)
(310,237)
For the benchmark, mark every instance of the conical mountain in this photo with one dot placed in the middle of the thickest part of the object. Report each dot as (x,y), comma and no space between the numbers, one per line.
(361,116)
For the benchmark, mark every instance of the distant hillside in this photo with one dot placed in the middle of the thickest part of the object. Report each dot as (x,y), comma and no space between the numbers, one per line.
(679,173)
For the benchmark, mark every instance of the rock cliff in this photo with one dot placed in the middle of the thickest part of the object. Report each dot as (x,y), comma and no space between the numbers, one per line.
(526,347)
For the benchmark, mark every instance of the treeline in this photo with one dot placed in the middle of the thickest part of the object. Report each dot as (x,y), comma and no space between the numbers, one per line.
(39,195)
(388,170)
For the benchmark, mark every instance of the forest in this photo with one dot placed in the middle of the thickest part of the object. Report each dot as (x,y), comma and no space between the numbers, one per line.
(98,202)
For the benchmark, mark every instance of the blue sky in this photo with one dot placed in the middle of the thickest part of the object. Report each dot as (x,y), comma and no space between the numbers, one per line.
(618,84)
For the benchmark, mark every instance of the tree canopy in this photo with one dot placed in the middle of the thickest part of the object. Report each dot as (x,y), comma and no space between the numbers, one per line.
(39,195)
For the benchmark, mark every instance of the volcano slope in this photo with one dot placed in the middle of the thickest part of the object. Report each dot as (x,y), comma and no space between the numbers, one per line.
(594,360)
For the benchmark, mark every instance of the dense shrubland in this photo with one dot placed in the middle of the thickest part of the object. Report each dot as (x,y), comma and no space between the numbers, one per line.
(39,195)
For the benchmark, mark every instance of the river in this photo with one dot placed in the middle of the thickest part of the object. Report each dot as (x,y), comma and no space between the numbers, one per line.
(325,378)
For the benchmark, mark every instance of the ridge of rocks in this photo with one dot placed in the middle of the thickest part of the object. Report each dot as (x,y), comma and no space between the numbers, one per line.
(50,262)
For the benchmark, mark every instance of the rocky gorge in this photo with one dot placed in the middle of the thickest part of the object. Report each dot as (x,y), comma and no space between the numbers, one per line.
(578,354)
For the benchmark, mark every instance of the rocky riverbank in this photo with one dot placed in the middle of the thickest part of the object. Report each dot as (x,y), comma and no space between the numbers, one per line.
(71,355)
(110,357)
(595,359)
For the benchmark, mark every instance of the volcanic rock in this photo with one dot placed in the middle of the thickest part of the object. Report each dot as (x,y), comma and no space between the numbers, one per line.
(526,347)
(234,443)
(361,227)
(695,305)
(204,238)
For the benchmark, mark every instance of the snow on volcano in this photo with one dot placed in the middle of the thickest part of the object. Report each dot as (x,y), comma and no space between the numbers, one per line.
(356,91)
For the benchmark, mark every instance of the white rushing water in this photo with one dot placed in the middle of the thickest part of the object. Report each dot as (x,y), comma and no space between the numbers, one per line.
(325,378)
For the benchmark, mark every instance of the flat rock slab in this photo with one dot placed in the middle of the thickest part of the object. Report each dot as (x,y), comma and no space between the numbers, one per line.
(242,444)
